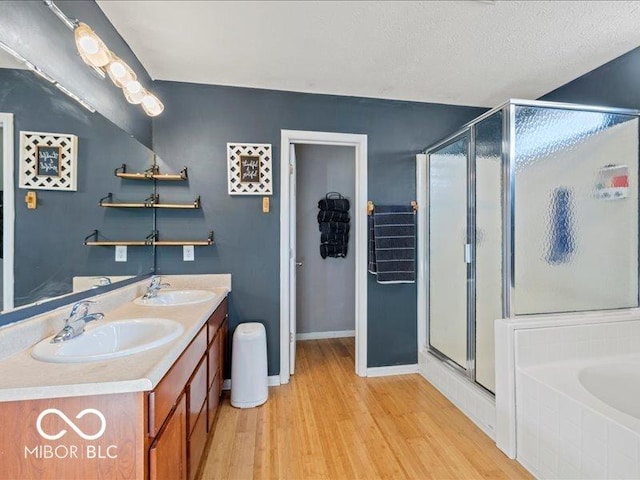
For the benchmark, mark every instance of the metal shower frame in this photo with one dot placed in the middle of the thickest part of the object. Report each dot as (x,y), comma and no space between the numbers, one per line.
(508,220)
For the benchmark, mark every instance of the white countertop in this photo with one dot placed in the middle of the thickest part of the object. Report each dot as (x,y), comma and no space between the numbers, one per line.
(24,378)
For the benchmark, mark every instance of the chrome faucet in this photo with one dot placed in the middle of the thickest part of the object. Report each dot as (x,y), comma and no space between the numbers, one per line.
(154,286)
(78,319)
(102,281)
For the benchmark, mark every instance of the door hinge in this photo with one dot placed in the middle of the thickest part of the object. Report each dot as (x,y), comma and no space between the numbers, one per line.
(290,169)
(290,337)
(467,253)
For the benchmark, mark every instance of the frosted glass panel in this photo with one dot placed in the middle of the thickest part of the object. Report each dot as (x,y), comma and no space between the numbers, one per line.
(488,307)
(576,211)
(447,239)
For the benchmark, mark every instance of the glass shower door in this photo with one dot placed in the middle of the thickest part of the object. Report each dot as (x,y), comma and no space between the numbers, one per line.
(448,250)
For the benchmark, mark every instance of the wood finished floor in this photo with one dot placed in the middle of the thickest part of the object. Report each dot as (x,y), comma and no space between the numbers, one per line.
(330,424)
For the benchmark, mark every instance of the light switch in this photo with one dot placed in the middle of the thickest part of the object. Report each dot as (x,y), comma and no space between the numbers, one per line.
(188,253)
(121,253)
(265,204)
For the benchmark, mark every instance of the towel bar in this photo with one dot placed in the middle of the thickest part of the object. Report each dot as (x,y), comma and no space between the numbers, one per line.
(371,207)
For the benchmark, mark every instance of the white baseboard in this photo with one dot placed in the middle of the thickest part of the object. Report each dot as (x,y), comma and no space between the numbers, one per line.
(478,405)
(272,381)
(392,370)
(320,335)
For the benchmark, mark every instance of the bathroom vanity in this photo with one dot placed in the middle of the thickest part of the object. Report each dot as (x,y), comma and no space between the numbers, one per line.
(143,416)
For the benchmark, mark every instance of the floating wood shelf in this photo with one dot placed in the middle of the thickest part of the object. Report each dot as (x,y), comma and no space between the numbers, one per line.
(109,243)
(152,173)
(152,202)
(176,243)
(150,240)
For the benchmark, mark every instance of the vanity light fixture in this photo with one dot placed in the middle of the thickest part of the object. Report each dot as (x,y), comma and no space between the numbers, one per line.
(134,92)
(119,72)
(91,48)
(96,55)
(151,105)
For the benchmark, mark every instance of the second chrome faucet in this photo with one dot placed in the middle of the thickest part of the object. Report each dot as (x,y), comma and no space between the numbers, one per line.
(76,322)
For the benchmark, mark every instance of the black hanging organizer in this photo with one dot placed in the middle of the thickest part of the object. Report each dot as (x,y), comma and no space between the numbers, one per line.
(334,224)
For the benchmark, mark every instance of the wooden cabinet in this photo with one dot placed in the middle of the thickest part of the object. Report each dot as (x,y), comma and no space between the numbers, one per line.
(156,435)
(189,382)
(168,453)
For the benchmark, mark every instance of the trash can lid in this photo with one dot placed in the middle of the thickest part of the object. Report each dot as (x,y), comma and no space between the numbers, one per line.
(252,329)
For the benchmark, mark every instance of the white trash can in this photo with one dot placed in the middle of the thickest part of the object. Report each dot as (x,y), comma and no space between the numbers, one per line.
(249,387)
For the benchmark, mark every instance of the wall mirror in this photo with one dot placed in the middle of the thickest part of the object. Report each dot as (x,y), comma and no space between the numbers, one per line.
(47,248)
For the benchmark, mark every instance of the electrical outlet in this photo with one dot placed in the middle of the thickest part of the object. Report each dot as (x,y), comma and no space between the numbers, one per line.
(121,253)
(188,253)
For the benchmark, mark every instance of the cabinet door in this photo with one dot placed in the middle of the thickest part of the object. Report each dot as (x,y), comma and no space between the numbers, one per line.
(168,454)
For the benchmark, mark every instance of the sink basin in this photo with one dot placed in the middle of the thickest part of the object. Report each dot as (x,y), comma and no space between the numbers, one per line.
(171,298)
(103,341)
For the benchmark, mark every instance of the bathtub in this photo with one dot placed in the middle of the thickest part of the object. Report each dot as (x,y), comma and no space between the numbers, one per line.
(614,383)
(580,418)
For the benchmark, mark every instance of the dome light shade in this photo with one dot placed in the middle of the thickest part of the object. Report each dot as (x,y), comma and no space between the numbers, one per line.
(119,72)
(151,105)
(90,47)
(134,92)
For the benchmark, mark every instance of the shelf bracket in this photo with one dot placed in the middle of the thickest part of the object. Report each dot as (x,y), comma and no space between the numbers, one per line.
(93,235)
(108,197)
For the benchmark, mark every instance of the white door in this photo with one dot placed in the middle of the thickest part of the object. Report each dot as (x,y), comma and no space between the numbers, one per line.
(292,258)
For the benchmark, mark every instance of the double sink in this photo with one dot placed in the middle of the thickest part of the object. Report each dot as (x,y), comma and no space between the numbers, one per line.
(107,340)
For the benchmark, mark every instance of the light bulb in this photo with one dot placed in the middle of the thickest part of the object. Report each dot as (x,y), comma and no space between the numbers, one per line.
(134,92)
(89,44)
(119,72)
(151,105)
(92,50)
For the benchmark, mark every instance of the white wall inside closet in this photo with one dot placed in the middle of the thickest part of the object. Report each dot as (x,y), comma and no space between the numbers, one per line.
(325,287)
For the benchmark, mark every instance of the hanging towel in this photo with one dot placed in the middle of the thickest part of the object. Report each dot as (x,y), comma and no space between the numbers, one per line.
(335,251)
(394,234)
(334,201)
(334,238)
(333,227)
(332,216)
(560,235)
(371,248)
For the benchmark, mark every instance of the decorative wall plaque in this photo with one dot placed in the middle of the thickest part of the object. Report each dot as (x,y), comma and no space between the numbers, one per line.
(48,161)
(249,169)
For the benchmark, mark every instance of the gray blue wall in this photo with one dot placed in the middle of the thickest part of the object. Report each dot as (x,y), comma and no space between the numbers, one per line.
(30,28)
(614,84)
(198,122)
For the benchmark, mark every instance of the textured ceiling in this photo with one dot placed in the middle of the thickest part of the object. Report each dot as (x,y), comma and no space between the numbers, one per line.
(460,52)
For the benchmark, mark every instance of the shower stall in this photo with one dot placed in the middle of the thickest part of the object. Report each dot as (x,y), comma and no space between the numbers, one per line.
(532,209)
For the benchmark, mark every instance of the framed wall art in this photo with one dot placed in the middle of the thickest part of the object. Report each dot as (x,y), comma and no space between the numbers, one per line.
(249,170)
(48,161)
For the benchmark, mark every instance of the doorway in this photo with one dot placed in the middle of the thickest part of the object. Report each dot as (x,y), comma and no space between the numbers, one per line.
(7,209)
(289,255)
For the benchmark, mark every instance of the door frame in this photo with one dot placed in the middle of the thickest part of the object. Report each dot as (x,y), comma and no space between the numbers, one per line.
(359,142)
(8,210)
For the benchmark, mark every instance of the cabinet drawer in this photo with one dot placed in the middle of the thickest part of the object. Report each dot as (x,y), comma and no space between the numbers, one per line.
(197,442)
(216,319)
(164,396)
(213,401)
(168,453)
(197,393)
(214,357)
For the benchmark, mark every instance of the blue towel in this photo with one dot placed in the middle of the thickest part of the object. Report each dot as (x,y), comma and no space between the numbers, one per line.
(394,244)
(560,241)
(371,249)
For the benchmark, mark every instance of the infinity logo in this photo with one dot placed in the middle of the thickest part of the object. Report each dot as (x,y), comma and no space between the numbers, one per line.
(66,419)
